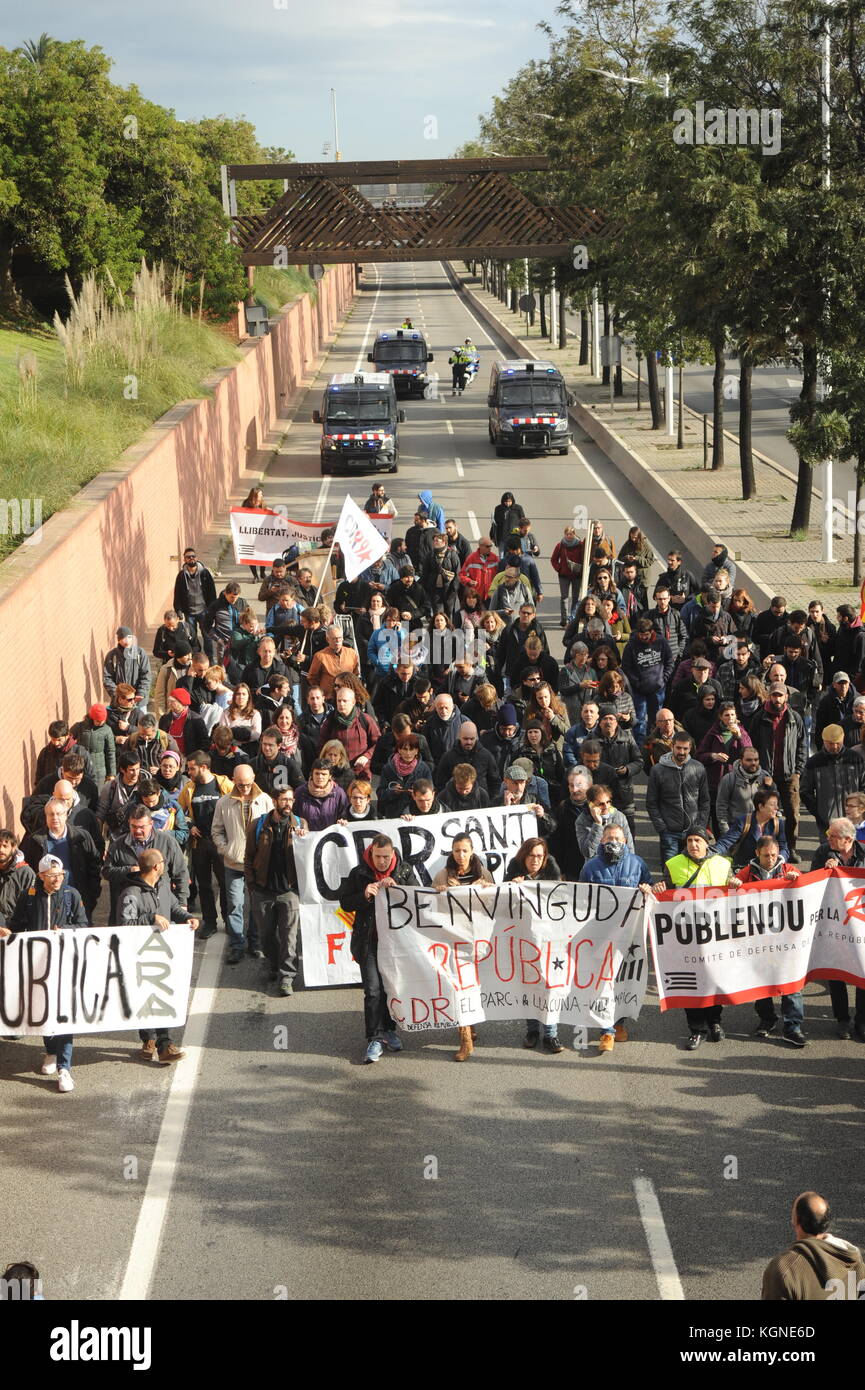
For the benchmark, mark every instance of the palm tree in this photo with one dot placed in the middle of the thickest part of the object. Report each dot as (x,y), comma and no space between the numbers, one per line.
(37,50)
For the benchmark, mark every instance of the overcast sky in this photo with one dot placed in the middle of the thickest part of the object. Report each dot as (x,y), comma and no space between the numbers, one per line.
(394,63)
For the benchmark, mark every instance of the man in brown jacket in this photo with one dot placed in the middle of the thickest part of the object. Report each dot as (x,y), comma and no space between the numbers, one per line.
(817,1267)
(271,878)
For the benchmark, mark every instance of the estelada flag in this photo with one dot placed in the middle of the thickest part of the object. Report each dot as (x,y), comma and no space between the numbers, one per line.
(361,544)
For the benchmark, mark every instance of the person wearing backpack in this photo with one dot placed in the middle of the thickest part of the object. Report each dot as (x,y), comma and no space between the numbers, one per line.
(271,878)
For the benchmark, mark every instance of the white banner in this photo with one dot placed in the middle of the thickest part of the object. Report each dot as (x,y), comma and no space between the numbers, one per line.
(260,535)
(555,952)
(359,541)
(324,858)
(728,946)
(94,980)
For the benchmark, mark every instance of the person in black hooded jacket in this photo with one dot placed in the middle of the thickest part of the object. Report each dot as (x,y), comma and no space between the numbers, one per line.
(506,518)
(380,867)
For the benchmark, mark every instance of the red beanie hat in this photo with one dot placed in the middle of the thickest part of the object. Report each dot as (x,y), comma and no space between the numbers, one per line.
(182,696)
(98,713)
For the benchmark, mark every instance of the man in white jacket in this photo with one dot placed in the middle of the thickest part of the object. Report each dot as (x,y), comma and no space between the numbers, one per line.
(234,814)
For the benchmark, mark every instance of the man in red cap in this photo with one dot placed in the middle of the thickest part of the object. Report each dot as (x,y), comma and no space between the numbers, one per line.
(95,735)
(186,728)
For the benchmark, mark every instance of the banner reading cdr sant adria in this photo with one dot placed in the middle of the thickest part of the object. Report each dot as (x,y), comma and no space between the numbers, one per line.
(556,952)
(94,980)
(720,946)
(324,858)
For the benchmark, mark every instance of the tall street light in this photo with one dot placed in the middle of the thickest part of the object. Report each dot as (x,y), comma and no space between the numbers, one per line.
(668,386)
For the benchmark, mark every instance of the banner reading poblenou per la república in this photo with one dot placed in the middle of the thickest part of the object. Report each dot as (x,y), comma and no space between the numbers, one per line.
(714,946)
(94,980)
(556,952)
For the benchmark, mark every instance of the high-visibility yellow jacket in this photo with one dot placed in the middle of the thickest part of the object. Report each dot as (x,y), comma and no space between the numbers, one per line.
(713,872)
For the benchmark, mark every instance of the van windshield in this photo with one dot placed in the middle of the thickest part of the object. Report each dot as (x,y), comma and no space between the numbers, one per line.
(527,393)
(353,407)
(400,350)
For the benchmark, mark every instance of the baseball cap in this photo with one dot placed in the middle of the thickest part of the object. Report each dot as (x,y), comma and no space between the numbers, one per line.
(840,676)
(777,688)
(124,632)
(49,863)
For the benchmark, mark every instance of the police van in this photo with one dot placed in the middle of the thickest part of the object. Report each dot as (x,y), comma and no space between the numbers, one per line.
(359,418)
(403,354)
(528,404)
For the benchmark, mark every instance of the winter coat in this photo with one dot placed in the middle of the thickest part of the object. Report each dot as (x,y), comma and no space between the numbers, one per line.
(825,851)
(629,872)
(181,602)
(98,740)
(476,800)
(113,800)
(194,731)
(648,665)
(589,831)
(49,760)
(33,913)
(442,734)
(409,598)
(319,812)
(680,582)
(129,666)
(123,856)
(827,779)
(449,878)
(284,771)
(567,560)
(480,571)
(719,562)
(444,596)
(259,847)
(806,1271)
(139,903)
(13,882)
(392,785)
(713,742)
(150,750)
(230,825)
(735,793)
(621,750)
(550,873)
(685,694)
(358,738)
(750,835)
(677,797)
(352,898)
(730,674)
(669,625)
(831,710)
(643,557)
(849,648)
(479,757)
(503,751)
(432,509)
(85,859)
(794,748)
(574,738)
(167,815)
(506,518)
(563,842)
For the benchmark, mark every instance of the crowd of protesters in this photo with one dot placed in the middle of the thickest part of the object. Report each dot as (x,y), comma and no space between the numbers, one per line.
(429,684)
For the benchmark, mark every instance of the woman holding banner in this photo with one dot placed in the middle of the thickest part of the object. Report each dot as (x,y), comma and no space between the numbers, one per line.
(380,867)
(463,869)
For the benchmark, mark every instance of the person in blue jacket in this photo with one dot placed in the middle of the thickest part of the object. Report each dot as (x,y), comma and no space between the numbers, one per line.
(621,868)
(433,510)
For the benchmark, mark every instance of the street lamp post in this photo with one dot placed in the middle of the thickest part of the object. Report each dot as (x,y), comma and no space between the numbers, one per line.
(826,117)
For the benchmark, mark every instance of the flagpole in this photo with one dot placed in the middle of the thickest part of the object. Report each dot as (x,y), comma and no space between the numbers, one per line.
(320,587)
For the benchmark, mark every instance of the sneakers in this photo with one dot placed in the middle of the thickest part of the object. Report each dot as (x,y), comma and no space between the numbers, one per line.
(49,1065)
(553,1045)
(205,933)
(64,1081)
(765,1028)
(373,1051)
(235,956)
(621,1033)
(844,1031)
(694,1042)
(716,1033)
(795,1037)
(393,1041)
(286,990)
(606,1042)
(169,1054)
(255,953)
(148,1050)
(531,1039)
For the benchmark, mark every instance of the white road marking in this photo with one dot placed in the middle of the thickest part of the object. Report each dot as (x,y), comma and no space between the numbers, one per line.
(322,498)
(143,1255)
(458,464)
(450,428)
(660,1250)
(615,501)
(361,357)
(473,523)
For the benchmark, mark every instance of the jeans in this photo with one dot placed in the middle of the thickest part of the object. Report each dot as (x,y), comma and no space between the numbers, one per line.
(277,921)
(841,1005)
(646,710)
(161,1036)
(207,865)
(196,623)
(792,1009)
(533,1029)
(61,1048)
(235,896)
(788,788)
(669,841)
(376,1016)
(569,589)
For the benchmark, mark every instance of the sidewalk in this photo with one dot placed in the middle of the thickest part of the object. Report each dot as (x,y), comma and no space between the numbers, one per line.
(757,532)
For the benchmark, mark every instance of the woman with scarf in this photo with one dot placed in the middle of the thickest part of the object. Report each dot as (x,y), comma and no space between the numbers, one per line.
(618,624)
(577,682)
(699,720)
(380,867)
(463,869)
(751,696)
(403,768)
(613,690)
(169,775)
(545,706)
(545,758)
(567,563)
(293,742)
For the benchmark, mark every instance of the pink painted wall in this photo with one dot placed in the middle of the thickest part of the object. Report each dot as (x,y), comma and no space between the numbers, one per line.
(105,559)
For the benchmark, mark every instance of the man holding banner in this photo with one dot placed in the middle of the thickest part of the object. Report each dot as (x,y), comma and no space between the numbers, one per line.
(138,906)
(616,865)
(380,867)
(698,867)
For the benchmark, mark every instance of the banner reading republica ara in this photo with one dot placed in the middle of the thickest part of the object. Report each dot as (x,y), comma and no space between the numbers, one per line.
(261,534)
(556,952)
(324,858)
(94,980)
(718,946)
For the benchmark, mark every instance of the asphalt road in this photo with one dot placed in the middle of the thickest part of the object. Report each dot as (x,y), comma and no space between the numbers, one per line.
(289,1170)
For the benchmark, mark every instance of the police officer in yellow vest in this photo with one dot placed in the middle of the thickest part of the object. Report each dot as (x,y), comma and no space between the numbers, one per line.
(700,867)
(460,362)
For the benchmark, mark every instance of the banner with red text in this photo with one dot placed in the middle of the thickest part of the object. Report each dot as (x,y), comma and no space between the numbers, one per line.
(325,857)
(729,946)
(555,952)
